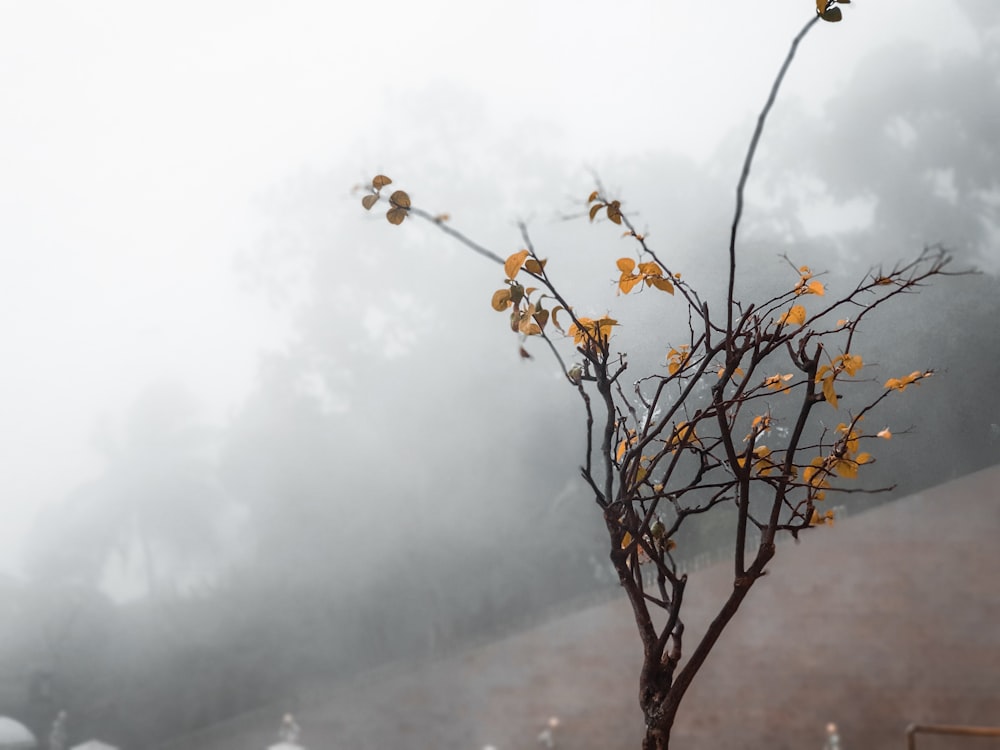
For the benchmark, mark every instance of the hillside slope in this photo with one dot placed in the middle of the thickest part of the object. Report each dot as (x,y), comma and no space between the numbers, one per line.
(889,617)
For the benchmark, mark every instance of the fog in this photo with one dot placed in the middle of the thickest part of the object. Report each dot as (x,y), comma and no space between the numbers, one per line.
(255,434)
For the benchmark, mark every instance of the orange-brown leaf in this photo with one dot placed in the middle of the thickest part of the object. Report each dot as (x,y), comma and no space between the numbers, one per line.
(626,265)
(501,299)
(626,283)
(379,181)
(400,198)
(514,262)
(541,317)
(535,266)
(795,316)
(816,287)
(368,201)
(828,391)
(615,212)
(662,284)
(852,364)
(396,215)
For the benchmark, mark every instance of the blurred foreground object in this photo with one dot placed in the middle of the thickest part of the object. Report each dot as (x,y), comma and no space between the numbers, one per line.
(15,736)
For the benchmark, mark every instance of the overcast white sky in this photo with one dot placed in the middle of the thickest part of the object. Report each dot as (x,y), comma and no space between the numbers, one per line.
(136,140)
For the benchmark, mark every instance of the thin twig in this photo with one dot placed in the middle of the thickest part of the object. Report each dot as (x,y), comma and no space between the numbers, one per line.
(749,160)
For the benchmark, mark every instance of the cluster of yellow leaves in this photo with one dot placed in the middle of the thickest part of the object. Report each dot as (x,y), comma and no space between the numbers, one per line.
(682,435)
(796,314)
(762,463)
(914,378)
(843,460)
(529,318)
(777,382)
(628,440)
(649,272)
(399,201)
(761,423)
(591,334)
(526,317)
(738,372)
(656,538)
(614,208)
(805,286)
(821,519)
(677,359)
(827,374)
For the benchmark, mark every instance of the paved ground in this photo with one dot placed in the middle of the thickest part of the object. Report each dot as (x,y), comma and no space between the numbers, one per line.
(890,617)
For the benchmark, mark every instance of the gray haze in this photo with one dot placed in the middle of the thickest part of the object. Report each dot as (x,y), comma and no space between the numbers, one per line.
(227,382)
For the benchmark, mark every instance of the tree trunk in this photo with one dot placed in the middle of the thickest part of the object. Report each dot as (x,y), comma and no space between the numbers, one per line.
(657,737)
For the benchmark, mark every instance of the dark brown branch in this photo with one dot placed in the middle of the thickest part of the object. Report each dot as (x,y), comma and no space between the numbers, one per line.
(751,151)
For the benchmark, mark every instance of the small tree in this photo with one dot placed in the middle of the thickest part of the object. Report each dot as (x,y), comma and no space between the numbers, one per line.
(733,421)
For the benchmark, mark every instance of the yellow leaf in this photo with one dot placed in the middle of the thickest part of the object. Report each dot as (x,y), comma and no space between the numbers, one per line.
(650,269)
(863,458)
(821,520)
(677,359)
(828,391)
(852,364)
(396,215)
(380,181)
(777,382)
(368,201)
(593,197)
(847,468)
(884,434)
(795,316)
(816,287)
(501,299)
(662,284)
(614,212)
(621,449)
(626,540)
(555,320)
(604,326)
(399,198)
(899,384)
(535,266)
(626,265)
(683,435)
(514,262)
(626,283)
(594,209)
(578,332)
